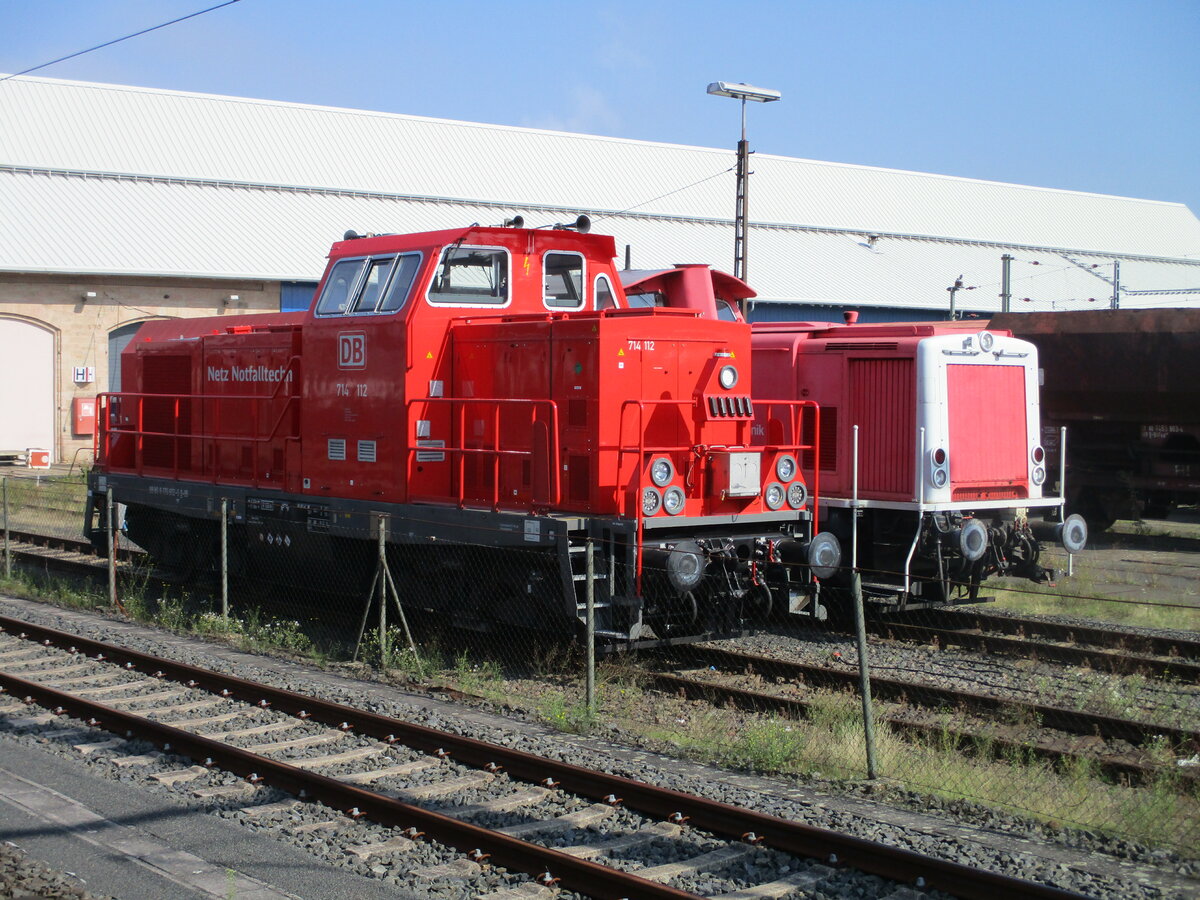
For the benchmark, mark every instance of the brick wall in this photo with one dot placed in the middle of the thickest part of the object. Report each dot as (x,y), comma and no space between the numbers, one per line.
(81,327)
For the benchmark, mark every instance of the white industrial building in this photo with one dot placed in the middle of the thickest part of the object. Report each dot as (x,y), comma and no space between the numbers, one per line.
(119,204)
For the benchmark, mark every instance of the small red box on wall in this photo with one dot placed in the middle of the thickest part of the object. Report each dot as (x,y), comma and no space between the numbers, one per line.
(84,417)
(37,459)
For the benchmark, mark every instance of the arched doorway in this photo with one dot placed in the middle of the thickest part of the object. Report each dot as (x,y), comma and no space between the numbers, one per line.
(26,387)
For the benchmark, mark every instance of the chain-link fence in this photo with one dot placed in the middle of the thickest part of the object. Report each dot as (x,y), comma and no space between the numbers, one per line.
(992,704)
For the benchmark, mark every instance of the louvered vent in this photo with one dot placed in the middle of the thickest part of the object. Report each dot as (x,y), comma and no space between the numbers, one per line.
(337,449)
(730,407)
(829,419)
(859,345)
(366,451)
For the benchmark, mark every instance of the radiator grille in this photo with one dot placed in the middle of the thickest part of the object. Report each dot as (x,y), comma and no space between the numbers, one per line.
(829,439)
(884,404)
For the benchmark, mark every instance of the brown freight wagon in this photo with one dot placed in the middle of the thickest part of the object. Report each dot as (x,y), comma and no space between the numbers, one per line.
(1126,384)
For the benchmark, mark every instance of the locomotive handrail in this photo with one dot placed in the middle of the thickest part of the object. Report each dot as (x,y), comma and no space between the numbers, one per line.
(799,447)
(798,407)
(495,452)
(644,453)
(106,429)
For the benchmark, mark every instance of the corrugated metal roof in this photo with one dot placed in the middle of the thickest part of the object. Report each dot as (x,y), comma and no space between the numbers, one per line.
(178,228)
(248,188)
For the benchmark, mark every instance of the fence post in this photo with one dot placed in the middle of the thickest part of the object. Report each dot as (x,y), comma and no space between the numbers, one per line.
(864,676)
(7,552)
(1062,489)
(110,530)
(224,558)
(591,627)
(860,628)
(383,647)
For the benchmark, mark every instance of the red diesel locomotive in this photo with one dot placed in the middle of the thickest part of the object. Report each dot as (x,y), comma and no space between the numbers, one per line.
(489,394)
(949,461)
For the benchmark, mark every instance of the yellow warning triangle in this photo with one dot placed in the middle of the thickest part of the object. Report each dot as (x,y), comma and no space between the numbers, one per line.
(620,353)
(429,354)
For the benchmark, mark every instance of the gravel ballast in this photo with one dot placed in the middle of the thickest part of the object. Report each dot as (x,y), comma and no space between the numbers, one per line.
(1079,861)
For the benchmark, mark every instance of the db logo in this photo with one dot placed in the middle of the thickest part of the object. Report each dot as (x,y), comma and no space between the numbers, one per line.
(352,350)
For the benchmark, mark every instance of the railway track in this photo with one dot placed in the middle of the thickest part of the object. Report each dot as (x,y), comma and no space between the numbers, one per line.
(1107,638)
(699,671)
(1115,650)
(71,552)
(496,805)
(1103,649)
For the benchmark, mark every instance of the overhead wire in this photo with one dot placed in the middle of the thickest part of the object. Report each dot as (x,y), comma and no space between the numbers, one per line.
(118,40)
(667,194)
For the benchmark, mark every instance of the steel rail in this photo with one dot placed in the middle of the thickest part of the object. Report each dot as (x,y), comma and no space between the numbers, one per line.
(69,544)
(1058,717)
(731,822)
(1113,639)
(1118,663)
(579,875)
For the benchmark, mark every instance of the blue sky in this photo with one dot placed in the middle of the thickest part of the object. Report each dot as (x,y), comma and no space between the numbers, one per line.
(1101,96)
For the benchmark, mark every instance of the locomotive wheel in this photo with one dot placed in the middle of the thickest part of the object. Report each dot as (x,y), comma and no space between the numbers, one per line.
(180,547)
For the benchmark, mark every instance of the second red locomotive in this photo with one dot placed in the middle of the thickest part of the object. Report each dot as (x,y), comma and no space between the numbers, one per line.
(949,469)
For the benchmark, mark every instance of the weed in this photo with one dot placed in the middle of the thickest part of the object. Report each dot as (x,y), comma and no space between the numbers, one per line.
(576,718)
(478,677)
(30,586)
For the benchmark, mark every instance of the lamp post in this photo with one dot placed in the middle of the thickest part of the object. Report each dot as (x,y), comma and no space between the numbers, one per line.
(742,92)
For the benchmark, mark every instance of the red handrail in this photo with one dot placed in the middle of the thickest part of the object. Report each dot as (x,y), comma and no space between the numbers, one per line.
(107,431)
(643,453)
(496,453)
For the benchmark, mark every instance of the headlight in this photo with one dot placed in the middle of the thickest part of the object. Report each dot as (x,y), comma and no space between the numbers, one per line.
(1039,475)
(651,501)
(785,468)
(661,471)
(673,501)
(939,478)
(985,341)
(773,495)
(728,377)
(797,494)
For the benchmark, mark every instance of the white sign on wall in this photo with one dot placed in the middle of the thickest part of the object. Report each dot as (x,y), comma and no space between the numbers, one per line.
(85,374)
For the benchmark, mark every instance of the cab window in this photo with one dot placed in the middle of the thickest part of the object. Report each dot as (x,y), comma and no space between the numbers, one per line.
(604,294)
(378,271)
(726,311)
(342,280)
(646,300)
(471,276)
(402,281)
(562,280)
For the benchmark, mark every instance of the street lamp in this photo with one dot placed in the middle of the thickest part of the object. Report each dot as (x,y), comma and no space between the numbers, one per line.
(742,92)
